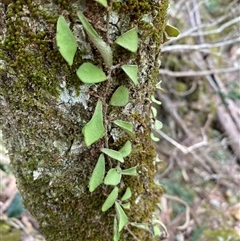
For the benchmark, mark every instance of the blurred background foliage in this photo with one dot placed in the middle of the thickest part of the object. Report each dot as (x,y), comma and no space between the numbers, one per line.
(199,146)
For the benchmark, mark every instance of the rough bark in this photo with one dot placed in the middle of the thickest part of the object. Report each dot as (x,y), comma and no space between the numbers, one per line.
(44,106)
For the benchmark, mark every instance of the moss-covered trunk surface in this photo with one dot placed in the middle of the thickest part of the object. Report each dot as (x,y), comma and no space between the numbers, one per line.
(44,106)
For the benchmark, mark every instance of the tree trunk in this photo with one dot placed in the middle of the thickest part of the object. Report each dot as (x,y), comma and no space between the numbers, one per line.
(44,106)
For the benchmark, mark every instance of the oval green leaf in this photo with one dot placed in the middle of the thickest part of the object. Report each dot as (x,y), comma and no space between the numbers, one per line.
(122,217)
(110,199)
(120,97)
(113,177)
(154,111)
(158,125)
(126,149)
(171,30)
(66,42)
(98,174)
(90,74)
(129,40)
(113,154)
(94,129)
(132,72)
(127,194)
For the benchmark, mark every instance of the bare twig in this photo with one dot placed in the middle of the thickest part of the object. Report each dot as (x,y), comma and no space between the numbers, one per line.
(199,47)
(167,170)
(170,108)
(177,199)
(187,92)
(219,29)
(182,148)
(173,142)
(230,129)
(133,235)
(190,73)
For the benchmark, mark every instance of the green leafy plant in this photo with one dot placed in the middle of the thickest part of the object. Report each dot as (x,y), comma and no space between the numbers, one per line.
(96,128)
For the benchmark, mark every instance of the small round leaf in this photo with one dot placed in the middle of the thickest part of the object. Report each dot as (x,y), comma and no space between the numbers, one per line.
(158,125)
(113,177)
(120,97)
(90,74)
(129,40)
(171,30)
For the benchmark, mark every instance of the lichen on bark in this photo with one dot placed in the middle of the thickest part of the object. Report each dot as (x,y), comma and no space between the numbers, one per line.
(44,107)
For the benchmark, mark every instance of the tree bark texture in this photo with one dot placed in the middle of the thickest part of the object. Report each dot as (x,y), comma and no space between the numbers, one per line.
(44,106)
